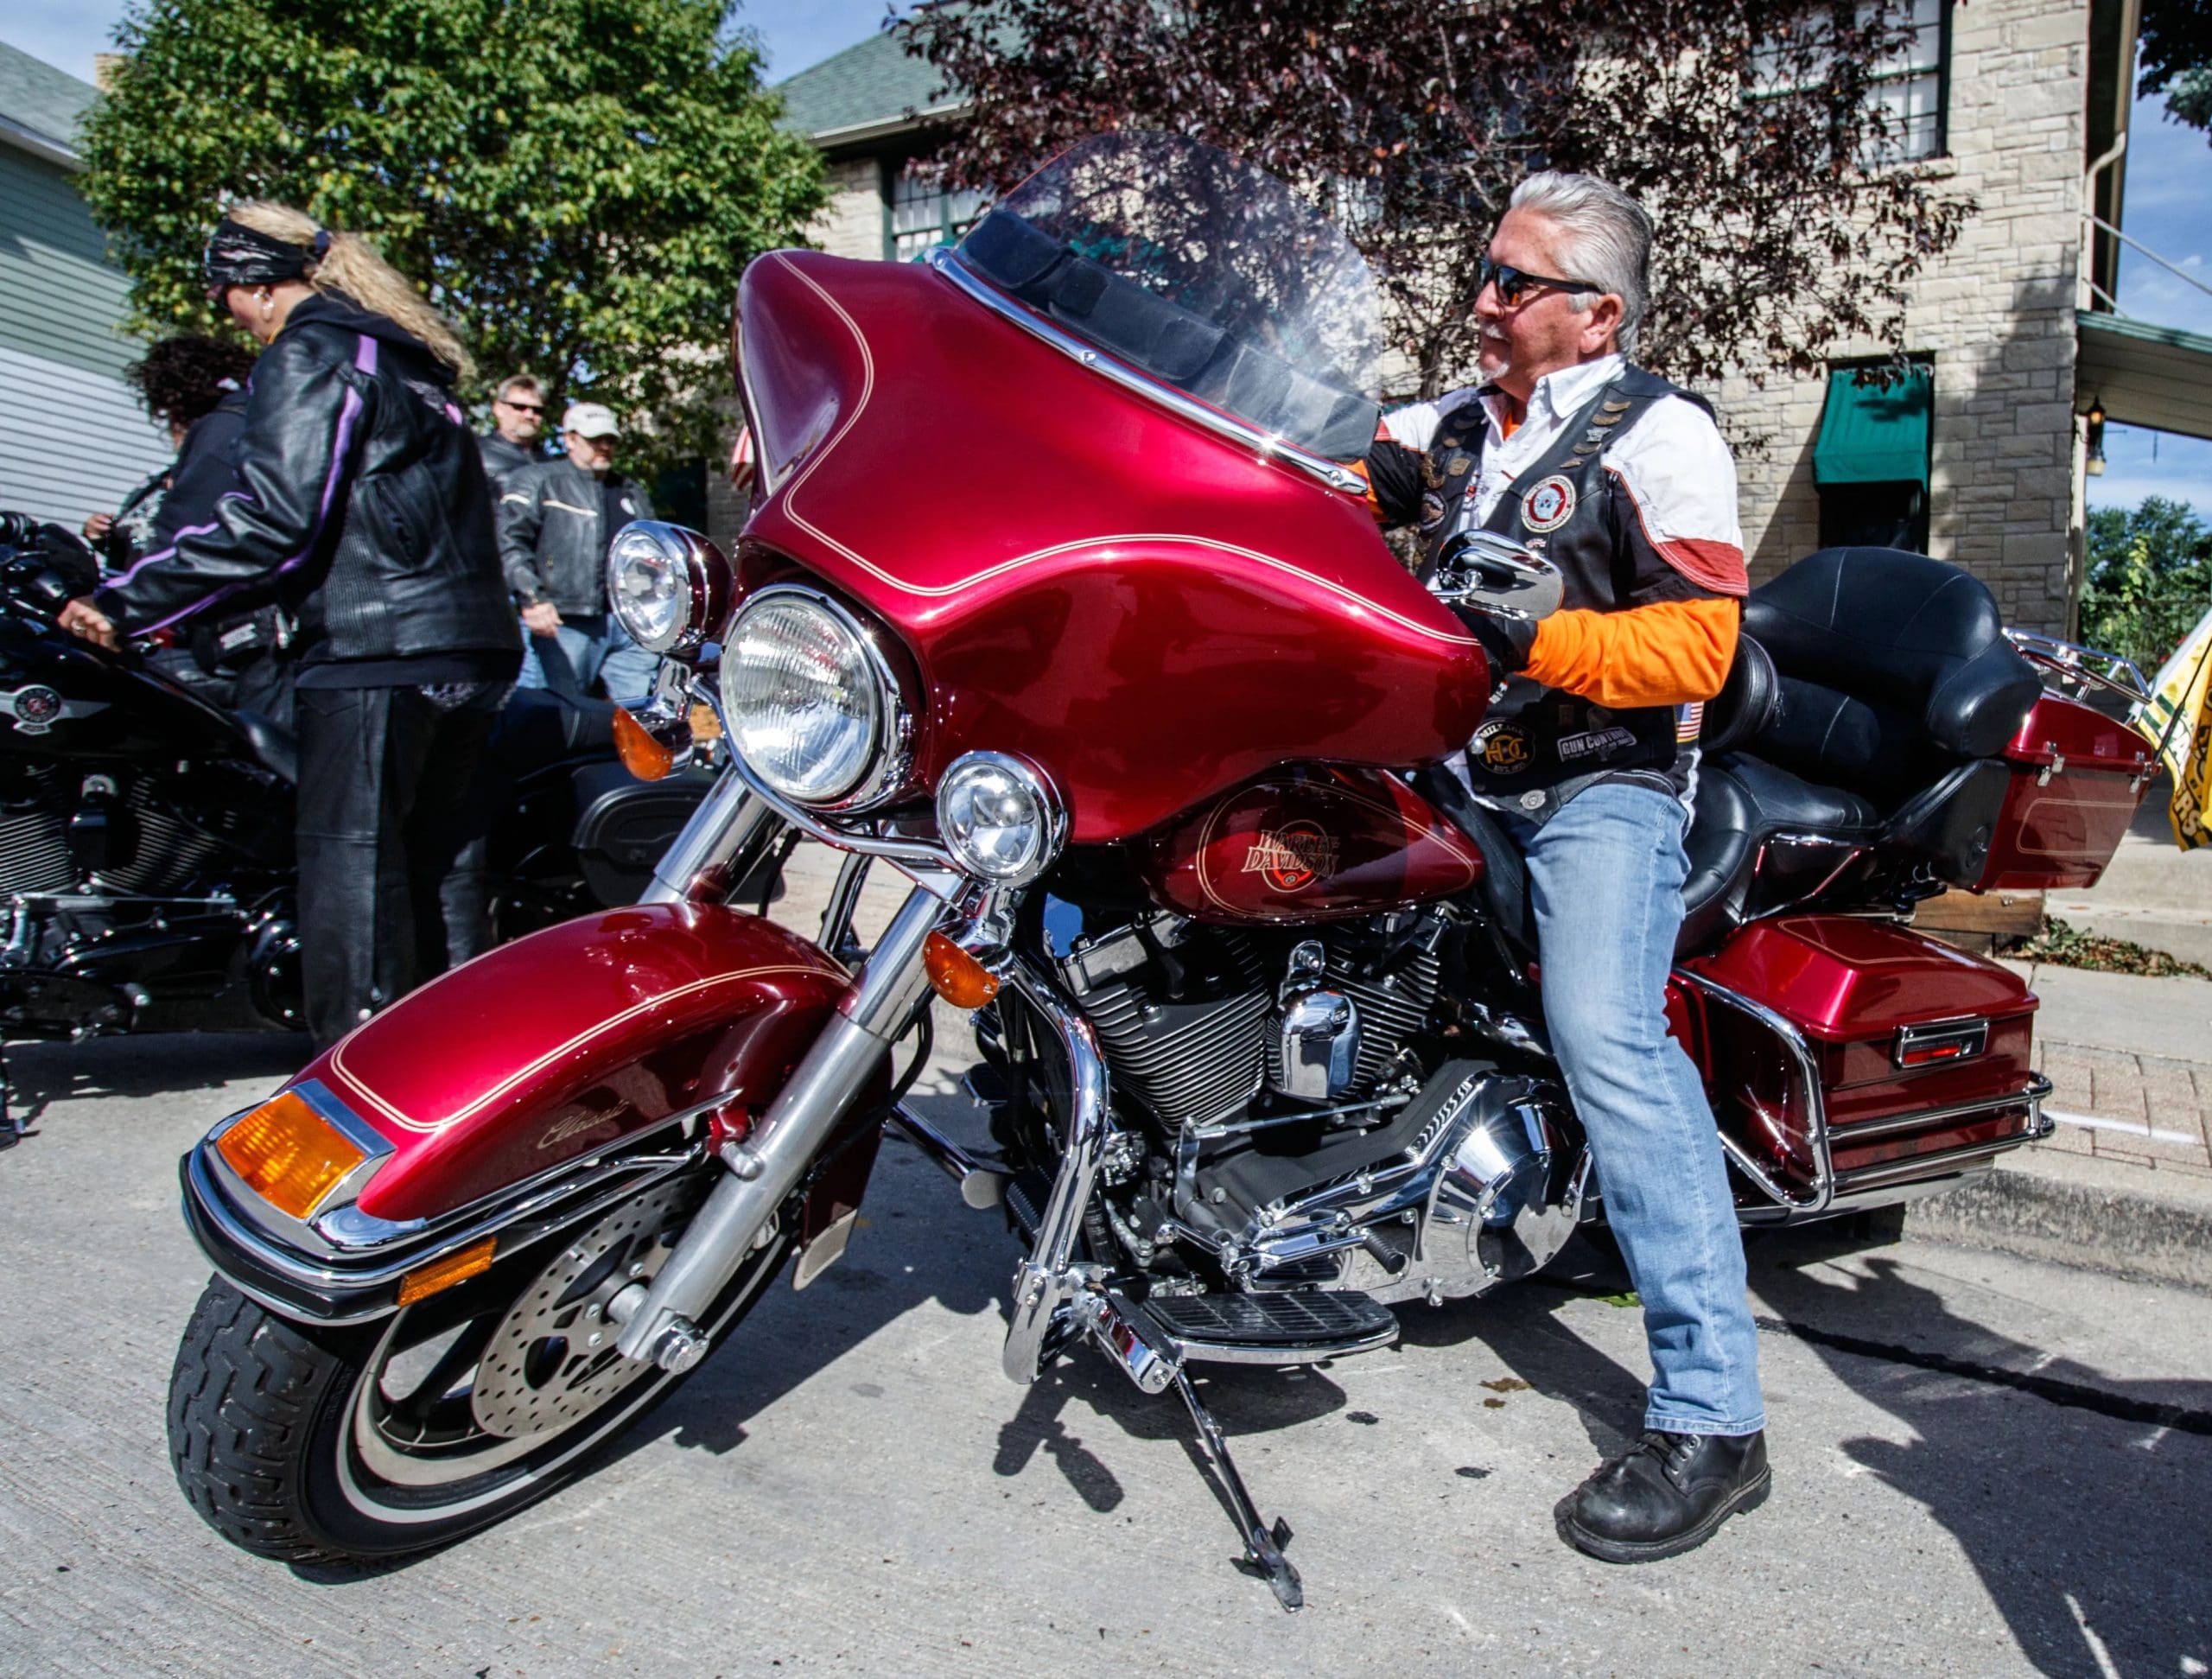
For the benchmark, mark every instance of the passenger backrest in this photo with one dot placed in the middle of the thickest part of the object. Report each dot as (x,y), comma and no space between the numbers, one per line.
(1894,668)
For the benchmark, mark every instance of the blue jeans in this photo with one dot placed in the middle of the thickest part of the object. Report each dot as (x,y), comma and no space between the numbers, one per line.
(586,648)
(1606,875)
(565,661)
(629,670)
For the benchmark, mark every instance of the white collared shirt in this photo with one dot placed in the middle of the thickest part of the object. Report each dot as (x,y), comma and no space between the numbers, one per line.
(1673,462)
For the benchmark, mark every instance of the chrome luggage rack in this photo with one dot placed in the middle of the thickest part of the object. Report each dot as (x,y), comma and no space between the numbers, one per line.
(2078,666)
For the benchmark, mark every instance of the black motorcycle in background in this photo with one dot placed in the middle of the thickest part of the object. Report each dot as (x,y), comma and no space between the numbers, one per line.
(146,865)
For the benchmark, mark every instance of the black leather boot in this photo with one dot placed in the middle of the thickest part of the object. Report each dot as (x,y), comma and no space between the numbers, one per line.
(1667,1494)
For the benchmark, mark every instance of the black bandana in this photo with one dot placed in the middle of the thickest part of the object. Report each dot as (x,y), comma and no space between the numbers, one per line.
(242,255)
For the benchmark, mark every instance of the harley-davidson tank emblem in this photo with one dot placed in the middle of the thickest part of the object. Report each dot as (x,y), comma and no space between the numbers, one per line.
(1292,857)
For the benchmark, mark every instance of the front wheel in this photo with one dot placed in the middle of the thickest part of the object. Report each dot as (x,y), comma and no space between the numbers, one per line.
(316,1445)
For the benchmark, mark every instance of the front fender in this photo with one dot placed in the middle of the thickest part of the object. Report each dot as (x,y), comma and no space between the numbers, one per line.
(566,1041)
(472,1094)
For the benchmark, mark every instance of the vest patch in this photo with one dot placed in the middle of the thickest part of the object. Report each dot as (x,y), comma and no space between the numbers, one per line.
(1600,743)
(1549,505)
(1502,748)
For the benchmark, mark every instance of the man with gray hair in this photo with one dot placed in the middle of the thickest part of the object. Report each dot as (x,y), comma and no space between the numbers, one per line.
(1587,761)
(511,448)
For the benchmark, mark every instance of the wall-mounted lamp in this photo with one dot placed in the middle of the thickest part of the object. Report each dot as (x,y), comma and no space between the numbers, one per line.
(2094,436)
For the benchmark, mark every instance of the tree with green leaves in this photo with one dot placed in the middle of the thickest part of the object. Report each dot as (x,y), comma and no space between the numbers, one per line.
(2148,579)
(2177,57)
(577,182)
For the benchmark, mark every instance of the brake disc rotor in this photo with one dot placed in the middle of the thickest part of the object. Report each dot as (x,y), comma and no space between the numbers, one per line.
(552,1361)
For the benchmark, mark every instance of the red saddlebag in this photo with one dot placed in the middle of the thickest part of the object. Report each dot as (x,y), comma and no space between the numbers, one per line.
(1849,1058)
(2076,777)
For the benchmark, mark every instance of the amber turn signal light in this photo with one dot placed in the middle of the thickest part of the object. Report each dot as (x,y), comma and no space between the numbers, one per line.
(956,976)
(642,756)
(441,1273)
(289,1154)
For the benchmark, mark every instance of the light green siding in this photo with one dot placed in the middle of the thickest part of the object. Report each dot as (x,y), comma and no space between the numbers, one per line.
(73,438)
(59,299)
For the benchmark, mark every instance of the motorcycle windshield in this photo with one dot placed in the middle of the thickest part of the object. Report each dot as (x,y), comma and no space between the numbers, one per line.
(1204,273)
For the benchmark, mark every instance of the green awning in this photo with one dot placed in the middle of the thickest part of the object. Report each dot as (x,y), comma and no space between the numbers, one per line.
(1872,435)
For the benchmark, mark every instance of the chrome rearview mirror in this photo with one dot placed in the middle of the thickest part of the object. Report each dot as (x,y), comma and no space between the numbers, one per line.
(1495,574)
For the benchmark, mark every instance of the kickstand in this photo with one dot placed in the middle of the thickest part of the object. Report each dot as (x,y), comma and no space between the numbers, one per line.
(1262,1545)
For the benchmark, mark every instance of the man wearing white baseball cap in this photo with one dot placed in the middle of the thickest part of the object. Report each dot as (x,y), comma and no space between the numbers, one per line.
(556,521)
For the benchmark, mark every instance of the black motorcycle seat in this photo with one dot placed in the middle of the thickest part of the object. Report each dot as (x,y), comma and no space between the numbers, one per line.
(1741,803)
(1747,702)
(1894,668)
(276,746)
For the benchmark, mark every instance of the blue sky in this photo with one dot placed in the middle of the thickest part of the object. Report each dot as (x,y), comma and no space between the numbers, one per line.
(2165,209)
(2165,203)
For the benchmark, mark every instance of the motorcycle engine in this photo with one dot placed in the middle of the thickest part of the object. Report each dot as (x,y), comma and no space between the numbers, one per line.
(1292,1116)
(1200,1024)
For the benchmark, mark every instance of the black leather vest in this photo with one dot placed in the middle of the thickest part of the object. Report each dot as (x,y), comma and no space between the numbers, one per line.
(1538,746)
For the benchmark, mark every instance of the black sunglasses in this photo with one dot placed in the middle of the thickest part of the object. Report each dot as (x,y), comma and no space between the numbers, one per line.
(1513,283)
(524,407)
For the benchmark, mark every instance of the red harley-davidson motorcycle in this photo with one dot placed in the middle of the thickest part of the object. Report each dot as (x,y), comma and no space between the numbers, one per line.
(1056,598)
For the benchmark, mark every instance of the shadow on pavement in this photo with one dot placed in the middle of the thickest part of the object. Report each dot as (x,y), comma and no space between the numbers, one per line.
(2090,1532)
(156,1064)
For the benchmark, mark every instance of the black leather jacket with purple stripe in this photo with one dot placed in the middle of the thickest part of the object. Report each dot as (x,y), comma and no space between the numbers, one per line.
(361,506)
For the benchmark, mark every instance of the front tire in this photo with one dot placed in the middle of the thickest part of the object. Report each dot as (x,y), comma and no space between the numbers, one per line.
(315,1445)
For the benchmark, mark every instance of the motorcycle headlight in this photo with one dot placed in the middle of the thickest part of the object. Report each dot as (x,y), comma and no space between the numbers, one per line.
(668,586)
(812,708)
(999,818)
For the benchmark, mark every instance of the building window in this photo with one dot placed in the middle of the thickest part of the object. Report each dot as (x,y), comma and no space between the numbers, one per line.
(922,214)
(1912,86)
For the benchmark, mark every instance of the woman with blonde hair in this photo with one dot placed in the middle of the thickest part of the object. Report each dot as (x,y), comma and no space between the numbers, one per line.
(362,512)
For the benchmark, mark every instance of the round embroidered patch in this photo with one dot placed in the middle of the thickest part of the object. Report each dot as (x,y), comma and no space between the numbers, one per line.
(1549,505)
(1501,748)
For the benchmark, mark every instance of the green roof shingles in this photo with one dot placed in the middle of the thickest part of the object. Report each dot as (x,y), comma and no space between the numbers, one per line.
(40,98)
(872,82)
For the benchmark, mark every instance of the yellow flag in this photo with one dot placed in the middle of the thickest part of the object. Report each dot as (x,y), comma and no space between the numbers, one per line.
(2177,720)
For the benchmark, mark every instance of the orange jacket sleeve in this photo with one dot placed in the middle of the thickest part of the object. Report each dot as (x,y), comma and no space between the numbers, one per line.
(1671,652)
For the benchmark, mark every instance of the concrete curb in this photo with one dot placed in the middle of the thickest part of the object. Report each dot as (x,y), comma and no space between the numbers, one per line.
(2145,1225)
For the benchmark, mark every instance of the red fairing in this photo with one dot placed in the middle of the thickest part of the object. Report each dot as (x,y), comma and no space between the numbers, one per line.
(1149,612)
(571,1039)
(2077,777)
(1310,845)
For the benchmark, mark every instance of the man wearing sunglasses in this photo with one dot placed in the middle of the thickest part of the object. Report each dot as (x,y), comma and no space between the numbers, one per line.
(1587,761)
(518,417)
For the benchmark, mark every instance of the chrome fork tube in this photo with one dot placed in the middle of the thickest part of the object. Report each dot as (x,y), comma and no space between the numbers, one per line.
(767,1166)
(1043,1282)
(728,825)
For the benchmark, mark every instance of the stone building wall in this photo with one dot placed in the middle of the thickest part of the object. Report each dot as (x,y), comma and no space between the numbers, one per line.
(1997,317)
(851,223)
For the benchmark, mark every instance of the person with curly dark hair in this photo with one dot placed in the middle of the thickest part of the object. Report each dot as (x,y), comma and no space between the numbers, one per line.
(196,385)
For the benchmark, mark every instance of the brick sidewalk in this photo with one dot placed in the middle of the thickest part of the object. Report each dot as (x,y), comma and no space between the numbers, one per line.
(2144,1110)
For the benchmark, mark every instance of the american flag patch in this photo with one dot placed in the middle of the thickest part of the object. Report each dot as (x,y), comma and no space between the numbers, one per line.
(1689,720)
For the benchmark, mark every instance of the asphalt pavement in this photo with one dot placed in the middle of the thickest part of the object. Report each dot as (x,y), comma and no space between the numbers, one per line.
(1983,1464)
